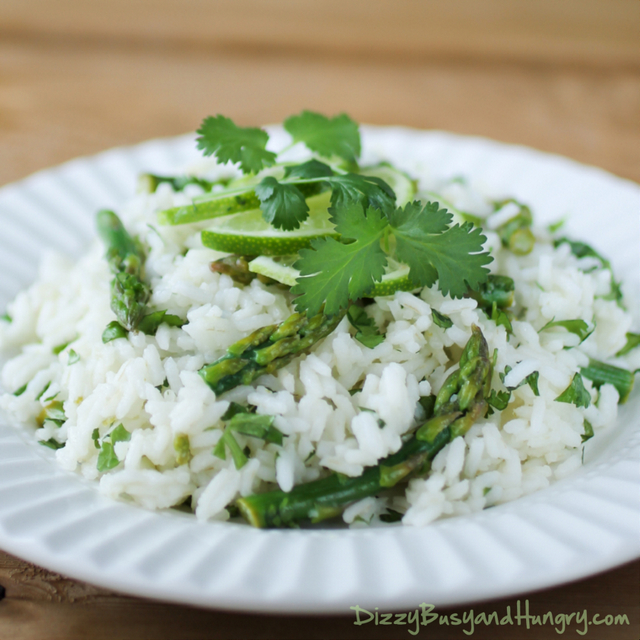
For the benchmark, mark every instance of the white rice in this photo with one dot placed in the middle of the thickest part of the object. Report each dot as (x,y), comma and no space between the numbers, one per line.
(150,383)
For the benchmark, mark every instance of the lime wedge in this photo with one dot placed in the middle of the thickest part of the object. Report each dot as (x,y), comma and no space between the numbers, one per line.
(403,185)
(278,268)
(248,233)
(281,269)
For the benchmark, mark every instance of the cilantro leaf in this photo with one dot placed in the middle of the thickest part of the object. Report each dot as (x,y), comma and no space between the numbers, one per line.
(222,138)
(577,327)
(61,347)
(256,426)
(453,255)
(283,205)
(367,333)
(588,431)
(367,190)
(107,458)
(531,380)
(52,443)
(500,317)
(332,272)
(152,321)
(120,434)
(308,170)
(238,455)
(498,400)
(113,331)
(633,341)
(338,136)
(391,515)
(575,393)
(440,320)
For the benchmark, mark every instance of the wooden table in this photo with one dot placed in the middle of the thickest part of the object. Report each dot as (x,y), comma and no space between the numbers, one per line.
(76,78)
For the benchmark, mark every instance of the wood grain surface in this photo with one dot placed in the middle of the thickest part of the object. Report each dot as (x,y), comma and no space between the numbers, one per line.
(78,77)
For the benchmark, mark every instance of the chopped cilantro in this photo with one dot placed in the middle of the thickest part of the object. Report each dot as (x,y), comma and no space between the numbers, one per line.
(531,380)
(500,317)
(556,226)
(633,341)
(6,317)
(61,347)
(113,331)
(575,393)
(150,323)
(499,399)
(583,250)
(234,409)
(107,458)
(367,333)
(256,426)
(238,455)
(391,515)
(52,443)
(44,390)
(588,431)
(73,357)
(120,434)
(440,320)
(21,390)
(577,327)
(497,289)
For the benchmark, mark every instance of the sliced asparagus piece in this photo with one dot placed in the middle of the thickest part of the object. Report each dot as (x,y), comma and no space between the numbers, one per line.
(460,402)
(129,294)
(267,350)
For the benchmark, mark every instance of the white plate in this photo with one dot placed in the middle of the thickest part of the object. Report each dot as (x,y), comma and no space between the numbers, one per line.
(577,527)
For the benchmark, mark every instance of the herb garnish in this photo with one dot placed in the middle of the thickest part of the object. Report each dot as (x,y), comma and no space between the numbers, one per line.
(336,272)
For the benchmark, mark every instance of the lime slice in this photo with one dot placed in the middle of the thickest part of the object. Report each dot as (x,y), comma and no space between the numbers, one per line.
(403,185)
(281,269)
(249,234)
(224,203)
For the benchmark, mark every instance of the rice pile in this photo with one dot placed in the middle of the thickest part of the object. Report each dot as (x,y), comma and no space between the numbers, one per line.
(150,384)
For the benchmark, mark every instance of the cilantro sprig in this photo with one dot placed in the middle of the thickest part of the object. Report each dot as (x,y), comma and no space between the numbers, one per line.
(337,271)
(334,272)
(221,137)
(328,137)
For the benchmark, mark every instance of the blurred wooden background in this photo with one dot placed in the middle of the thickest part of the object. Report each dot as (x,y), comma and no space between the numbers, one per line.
(79,76)
(560,75)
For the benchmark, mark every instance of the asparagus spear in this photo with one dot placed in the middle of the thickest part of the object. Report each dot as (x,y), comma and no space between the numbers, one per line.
(129,294)
(497,289)
(267,349)
(460,402)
